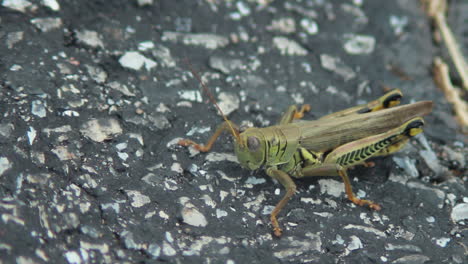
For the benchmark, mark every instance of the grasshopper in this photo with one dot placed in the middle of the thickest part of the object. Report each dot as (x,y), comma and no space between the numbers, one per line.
(324,147)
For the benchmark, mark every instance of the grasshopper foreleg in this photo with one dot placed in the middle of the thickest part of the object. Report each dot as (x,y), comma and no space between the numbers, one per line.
(204,148)
(290,187)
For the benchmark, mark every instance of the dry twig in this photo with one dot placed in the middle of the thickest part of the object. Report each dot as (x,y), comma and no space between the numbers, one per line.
(436,10)
(442,78)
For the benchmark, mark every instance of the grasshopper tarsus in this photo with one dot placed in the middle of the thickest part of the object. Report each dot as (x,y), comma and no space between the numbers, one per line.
(370,204)
(300,114)
(369,164)
(277,231)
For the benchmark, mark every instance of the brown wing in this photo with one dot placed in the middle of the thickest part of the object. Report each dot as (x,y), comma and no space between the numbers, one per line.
(323,135)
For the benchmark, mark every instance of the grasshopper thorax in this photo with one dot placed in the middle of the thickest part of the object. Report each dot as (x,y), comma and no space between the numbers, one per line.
(250,150)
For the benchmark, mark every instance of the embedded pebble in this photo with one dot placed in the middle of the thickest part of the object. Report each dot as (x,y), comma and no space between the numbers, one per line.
(97,74)
(221,213)
(138,199)
(31,135)
(398,23)
(359,44)
(335,65)
(144,2)
(38,108)
(455,155)
(288,46)
(255,180)
(159,121)
(135,61)
(6,129)
(359,15)
(308,200)
(101,129)
(267,209)
(429,156)
(408,165)
(443,241)
(323,214)
(52,4)
(113,206)
(243,8)
(13,38)
(198,130)
(145,45)
(168,250)
(169,237)
(283,25)
(309,26)
(63,153)
(366,229)
(191,215)
(163,215)
(459,212)
(123,156)
(47,24)
(355,243)
(412,259)
(163,55)
(191,95)
(176,167)
(62,129)
(19,5)
(129,241)
(297,246)
(89,38)
(216,157)
(331,187)
(209,41)
(410,248)
(154,250)
(4,165)
(228,102)
(73,257)
(208,201)
(225,65)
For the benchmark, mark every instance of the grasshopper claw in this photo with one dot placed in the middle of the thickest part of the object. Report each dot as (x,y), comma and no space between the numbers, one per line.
(375,206)
(277,231)
(362,202)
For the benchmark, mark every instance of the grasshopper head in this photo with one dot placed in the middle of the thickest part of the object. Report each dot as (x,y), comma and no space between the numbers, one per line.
(250,149)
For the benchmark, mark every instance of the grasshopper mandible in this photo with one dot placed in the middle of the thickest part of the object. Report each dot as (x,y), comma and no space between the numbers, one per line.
(324,147)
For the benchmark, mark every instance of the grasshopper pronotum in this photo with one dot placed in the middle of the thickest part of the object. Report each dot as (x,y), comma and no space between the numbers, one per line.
(324,147)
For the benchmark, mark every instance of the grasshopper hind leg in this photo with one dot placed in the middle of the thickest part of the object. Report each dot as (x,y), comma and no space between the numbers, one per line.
(357,152)
(388,100)
(412,129)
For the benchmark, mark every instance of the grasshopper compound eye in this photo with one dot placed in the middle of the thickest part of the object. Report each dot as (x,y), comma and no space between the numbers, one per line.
(253,143)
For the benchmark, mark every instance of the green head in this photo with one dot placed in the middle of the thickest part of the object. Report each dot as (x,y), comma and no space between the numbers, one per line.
(250,149)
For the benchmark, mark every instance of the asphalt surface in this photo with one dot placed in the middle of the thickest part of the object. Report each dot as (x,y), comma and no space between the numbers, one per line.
(95,95)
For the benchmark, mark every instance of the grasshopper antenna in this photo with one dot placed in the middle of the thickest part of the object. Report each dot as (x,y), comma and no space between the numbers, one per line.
(235,133)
